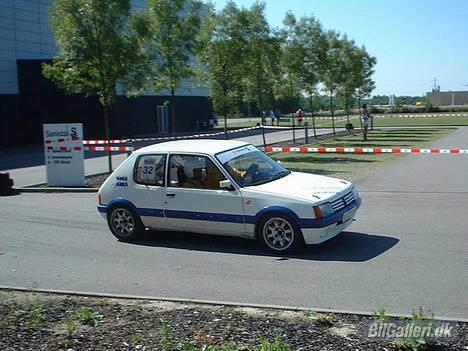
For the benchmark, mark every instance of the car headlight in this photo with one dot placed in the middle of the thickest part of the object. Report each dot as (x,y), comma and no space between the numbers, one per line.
(323,210)
(355,193)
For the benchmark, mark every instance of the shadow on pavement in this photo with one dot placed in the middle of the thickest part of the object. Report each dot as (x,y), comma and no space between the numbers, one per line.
(346,247)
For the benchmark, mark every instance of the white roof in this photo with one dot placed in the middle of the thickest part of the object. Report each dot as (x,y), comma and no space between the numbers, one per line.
(206,146)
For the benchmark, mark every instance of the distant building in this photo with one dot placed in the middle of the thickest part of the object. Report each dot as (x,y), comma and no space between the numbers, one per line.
(27,99)
(447,98)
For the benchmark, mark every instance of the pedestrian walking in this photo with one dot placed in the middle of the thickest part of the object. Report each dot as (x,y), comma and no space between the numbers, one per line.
(365,121)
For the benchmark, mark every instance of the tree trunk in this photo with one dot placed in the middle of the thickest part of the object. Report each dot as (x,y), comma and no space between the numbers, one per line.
(311,103)
(347,108)
(332,111)
(360,115)
(108,136)
(294,127)
(225,126)
(173,114)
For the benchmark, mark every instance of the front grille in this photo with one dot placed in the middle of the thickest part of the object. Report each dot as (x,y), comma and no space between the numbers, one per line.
(342,202)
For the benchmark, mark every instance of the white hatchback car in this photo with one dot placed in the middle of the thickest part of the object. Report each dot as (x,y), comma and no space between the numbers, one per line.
(226,188)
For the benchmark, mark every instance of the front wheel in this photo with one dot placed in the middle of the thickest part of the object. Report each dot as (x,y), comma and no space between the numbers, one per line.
(279,234)
(124,223)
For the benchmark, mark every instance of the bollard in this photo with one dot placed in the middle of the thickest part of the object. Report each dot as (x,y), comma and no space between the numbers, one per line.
(6,184)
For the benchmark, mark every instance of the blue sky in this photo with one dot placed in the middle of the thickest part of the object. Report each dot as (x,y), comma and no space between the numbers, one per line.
(414,41)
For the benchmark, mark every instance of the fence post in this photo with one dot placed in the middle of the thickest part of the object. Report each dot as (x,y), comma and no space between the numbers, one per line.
(306,131)
(263,136)
(313,125)
(129,143)
(294,128)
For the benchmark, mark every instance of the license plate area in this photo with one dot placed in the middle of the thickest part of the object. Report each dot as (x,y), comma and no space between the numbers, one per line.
(347,216)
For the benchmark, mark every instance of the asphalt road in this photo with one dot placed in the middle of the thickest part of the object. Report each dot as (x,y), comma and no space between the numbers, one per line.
(407,249)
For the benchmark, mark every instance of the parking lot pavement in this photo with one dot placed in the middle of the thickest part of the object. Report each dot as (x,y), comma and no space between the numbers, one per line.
(408,248)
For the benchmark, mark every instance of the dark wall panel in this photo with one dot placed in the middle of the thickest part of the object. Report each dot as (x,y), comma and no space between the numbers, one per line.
(12,128)
(40,101)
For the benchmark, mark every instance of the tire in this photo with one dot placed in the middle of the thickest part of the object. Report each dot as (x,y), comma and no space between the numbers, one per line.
(124,223)
(279,234)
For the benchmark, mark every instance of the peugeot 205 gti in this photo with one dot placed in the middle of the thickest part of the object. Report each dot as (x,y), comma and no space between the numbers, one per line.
(225,188)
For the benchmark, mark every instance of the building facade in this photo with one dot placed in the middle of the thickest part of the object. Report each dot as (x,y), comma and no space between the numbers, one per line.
(448,98)
(27,99)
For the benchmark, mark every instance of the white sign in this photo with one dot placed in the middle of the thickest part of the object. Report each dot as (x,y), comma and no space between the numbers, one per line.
(64,158)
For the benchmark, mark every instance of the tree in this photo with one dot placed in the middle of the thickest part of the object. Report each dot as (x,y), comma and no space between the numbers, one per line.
(221,57)
(291,61)
(351,67)
(169,33)
(365,84)
(96,50)
(260,53)
(332,75)
(313,42)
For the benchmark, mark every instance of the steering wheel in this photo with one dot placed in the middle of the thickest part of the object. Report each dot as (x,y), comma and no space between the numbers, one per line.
(251,171)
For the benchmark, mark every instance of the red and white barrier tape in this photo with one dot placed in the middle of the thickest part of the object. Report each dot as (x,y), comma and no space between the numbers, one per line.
(397,116)
(109,148)
(63,148)
(121,141)
(361,150)
(102,142)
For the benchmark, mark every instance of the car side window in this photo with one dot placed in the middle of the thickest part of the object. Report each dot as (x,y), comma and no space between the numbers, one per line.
(193,171)
(149,170)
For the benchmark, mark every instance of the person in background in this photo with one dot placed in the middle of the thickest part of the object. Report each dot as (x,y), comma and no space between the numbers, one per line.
(277,115)
(272,115)
(300,116)
(365,121)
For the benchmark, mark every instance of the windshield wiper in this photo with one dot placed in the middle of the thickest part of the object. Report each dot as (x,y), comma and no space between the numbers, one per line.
(279,175)
(273,177)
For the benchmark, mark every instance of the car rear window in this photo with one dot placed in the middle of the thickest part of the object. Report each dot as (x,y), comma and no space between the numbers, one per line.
(149,170)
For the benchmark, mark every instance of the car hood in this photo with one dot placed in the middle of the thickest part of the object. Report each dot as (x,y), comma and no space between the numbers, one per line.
(305,186)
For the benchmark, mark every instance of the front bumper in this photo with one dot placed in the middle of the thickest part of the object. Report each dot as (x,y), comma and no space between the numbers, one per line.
(331,225)
(102,209)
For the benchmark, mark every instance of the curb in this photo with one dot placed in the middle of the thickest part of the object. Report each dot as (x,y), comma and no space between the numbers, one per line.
(213,302)
(56,190)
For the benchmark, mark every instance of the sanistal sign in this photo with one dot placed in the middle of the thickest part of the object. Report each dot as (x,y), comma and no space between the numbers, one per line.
(63,150)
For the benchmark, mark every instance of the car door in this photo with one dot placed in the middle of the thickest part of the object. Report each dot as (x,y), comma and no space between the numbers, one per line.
(149,190)
(194,200)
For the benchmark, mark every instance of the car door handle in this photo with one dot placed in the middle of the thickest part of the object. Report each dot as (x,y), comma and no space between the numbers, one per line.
(170,194)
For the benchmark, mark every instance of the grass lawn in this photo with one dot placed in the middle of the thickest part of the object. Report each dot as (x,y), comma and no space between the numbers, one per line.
(354,166)
(387,121)
(420,121)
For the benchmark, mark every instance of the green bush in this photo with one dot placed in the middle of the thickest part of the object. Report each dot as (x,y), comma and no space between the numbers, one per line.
(34,317)
(419,317)
(88,316)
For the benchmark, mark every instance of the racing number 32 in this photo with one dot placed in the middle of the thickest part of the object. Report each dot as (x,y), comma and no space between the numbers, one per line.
(148,169)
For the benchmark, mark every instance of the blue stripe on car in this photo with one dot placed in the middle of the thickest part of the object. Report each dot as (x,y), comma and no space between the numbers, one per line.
(236,218)
(204,216)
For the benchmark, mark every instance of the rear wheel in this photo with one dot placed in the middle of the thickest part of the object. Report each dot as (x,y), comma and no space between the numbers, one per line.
(279,234)
(124,223)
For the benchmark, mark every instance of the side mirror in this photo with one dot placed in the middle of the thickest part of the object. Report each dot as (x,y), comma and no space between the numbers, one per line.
(226,184)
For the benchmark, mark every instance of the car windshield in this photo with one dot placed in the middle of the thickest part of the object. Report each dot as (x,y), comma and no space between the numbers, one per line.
(249,166)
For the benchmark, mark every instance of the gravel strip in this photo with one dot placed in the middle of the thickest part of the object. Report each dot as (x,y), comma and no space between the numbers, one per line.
(39,321)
